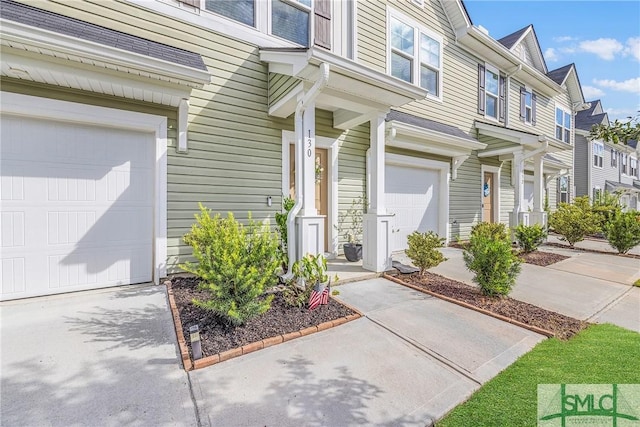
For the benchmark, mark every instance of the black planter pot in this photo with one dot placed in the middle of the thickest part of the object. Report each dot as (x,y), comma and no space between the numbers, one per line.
(353,251)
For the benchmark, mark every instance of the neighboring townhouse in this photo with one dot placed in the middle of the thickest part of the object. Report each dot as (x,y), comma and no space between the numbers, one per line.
(120,117)
(604,167)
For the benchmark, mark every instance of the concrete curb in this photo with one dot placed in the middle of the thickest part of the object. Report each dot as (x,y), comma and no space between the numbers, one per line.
(247,348)
(472,307)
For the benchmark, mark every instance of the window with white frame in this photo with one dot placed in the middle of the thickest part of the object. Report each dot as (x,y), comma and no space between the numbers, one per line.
(564,189)
(492,83)
(290,20)
(491,92)
(598,154)
(243,11)
(614,158)
(633,167)
(563,125)
(624,163)
(528,101)
(415,54)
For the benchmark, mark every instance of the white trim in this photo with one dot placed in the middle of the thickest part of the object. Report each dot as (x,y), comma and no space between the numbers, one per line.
(32,106)
(565,111)
(434,142)
(183,119)
(331,145)
(495,196)
(488,67)
(601,145)
(49,41)
(443,169)
(418,29)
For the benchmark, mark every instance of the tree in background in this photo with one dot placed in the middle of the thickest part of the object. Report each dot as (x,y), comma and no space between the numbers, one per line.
(618,131)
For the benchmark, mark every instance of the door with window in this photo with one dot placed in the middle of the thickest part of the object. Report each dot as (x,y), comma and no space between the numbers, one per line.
(487,197)
(322,185)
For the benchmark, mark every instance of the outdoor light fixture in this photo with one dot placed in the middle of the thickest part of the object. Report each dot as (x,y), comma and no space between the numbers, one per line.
(196,347)
(269,201)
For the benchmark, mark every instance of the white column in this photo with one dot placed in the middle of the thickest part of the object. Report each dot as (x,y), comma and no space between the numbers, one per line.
(377,224)
(377,143)
(517,177)
(538,183)
(308,167)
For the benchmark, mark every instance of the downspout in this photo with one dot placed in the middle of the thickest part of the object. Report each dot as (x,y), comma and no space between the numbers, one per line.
(308,97)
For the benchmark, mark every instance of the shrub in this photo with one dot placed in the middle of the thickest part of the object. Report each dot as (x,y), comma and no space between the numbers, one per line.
(307,271)
(422,250)
(235,265)
(623,231)
(281,222)
(490,257)
(529,237)
(491,230)
(574,222)
(606,207)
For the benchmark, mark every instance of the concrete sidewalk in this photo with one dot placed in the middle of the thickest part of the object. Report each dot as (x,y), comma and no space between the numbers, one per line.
(96,358)
(411,360)
(570,287)
(591,244)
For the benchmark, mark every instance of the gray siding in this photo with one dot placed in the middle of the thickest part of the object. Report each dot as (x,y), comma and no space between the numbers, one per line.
(581,165)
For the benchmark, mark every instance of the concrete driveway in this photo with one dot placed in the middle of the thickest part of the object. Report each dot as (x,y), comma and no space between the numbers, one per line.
(97,358)
(411,360)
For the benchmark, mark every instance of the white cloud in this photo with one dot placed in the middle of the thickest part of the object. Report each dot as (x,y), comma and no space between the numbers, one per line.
(632,48)
(621,114)
(562,39)
(591,92)
(551,55)
(604,48)
(630,85)
(567,49)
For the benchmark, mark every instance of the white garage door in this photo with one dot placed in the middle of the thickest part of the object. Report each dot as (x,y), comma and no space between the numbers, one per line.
(412,194)
(77,207)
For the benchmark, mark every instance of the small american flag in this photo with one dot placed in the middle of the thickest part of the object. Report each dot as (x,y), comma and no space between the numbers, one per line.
(319,296)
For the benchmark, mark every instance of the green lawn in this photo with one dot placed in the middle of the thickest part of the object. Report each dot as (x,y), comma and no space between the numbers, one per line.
(601,354)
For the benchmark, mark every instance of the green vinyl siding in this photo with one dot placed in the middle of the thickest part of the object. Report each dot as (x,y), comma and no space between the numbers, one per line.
(279,86)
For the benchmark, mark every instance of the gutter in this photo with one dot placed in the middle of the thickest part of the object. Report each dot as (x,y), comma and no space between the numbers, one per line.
(308,97)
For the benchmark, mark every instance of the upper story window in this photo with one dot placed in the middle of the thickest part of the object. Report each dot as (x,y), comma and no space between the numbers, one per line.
(598,154)
(415,54)
(290,20)
(563,125)
(243,11)
(528,101)
(633,167)
(614,158)
(624,163)
(491,92)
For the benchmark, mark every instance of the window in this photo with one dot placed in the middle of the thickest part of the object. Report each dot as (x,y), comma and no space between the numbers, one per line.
(633,167)
(563,125)
(564,189)
(415,54)
(624,163)
(614,158)
(527,106)
(491,92)
(598,154)
(239,10)
(290,20)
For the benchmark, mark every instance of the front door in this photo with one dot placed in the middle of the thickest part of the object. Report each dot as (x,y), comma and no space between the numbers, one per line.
(322,185)
(487,197)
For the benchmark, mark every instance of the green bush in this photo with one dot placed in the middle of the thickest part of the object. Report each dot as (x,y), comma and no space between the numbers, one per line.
(490,257)
(281,222)
(606,206)
(491,230)
(574,221)
(623,231)
(235,265)
(529,237)
(422,250)
(307,271)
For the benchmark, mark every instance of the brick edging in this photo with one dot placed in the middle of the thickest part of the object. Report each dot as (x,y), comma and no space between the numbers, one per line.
(247,348)
(177,323)
(472,307)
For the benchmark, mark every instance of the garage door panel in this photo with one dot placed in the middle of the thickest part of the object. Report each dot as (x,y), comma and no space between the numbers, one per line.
(77,207)
(411,194)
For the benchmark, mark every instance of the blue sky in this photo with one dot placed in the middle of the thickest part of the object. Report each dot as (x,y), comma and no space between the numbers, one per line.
(601,37)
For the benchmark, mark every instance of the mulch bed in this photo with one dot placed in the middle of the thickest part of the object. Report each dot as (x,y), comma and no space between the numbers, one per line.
(217,337)
(563,327)
(542,258)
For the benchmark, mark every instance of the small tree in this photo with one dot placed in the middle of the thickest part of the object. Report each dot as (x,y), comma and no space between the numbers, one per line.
(490,257)
(350,221)
(529,237)
(423,250)
(623,231)
(235,265)
(281,222)
(574,221)
(618,131)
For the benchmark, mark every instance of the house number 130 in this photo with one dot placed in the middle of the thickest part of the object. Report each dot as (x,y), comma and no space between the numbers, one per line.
(309,145)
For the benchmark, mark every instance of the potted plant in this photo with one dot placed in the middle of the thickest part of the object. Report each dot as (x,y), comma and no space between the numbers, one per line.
(350,227)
